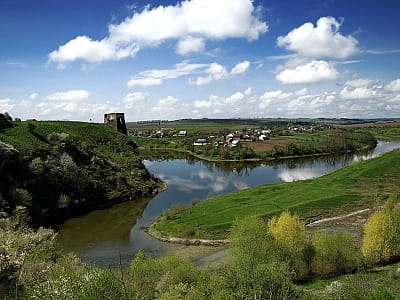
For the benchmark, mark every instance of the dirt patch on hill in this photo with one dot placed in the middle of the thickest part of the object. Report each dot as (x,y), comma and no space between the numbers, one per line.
(270,144)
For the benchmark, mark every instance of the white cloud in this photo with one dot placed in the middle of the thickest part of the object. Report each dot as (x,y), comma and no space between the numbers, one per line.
(72,95)
(202,19)
(324,40)
(359,82)
(241,68)
(85,48)
(132,99)
(6,105)
(393,86)
(215,72)
(167,101)
(235,98)
(190,44)
(248,91)
(359,93)
(268,97)
(314,71)
(144,82)
(33,96)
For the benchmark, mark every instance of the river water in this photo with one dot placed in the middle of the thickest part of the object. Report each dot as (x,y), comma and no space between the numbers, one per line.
(103,237)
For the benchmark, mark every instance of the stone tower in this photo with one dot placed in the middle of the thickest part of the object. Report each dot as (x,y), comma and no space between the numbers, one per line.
(116,120)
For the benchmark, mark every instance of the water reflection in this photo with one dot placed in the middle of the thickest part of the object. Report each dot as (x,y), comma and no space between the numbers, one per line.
(101,236)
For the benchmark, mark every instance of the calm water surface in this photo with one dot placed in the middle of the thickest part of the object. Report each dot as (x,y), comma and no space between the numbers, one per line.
(103,236)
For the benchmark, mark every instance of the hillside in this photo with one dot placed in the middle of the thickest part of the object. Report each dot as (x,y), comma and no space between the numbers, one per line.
(60,169)
(347,189)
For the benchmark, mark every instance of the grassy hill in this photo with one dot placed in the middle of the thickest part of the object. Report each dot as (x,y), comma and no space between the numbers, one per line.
(61,169)
(347,189)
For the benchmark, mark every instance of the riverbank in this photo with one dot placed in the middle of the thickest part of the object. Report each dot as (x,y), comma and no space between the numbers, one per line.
(254,159)
(346,190)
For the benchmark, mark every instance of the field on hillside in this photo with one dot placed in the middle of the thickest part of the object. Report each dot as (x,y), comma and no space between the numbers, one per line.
(363,184)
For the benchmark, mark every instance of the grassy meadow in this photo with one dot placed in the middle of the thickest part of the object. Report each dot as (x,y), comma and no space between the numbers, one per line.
(359,185)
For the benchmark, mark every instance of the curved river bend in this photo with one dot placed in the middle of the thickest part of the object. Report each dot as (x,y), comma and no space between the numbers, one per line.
(102,236)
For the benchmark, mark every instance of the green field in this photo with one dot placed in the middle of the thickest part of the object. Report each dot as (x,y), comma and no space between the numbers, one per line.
(348,189)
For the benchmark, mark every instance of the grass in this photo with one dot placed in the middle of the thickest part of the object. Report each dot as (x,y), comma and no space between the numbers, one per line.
(379,277)
(345,190)
(96,137)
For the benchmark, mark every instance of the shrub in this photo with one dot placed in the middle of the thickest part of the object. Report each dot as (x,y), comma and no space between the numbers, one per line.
(381,240)
(335,253)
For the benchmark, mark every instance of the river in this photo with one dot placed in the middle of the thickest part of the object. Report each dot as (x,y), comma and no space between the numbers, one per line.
(103,237)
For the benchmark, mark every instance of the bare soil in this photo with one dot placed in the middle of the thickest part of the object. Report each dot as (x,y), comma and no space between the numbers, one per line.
(270,144)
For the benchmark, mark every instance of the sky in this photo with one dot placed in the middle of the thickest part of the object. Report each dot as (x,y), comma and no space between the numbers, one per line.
(168,60)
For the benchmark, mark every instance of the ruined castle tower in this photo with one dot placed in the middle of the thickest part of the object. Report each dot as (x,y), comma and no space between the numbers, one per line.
(116,120)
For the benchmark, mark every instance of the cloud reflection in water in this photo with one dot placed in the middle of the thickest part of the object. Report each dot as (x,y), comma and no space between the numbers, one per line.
(289,175)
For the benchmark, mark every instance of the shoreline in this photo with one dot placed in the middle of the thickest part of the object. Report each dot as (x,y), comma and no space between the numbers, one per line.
(208,242)
(255,159)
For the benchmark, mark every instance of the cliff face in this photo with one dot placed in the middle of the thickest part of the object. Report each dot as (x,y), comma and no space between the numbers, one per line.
(62,169)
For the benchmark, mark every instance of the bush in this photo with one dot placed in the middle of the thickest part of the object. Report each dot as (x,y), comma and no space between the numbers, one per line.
(381,240)
(335,253)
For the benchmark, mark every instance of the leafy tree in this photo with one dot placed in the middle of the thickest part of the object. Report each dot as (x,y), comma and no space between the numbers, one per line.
(256,270)
(153,276)
(381,236)
(335,253)
(288,230)
(290,235)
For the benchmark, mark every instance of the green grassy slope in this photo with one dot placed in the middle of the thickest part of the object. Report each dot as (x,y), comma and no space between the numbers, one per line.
(93,165)
(344,190)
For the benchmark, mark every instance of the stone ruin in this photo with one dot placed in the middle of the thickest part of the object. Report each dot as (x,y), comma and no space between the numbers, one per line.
(117,121)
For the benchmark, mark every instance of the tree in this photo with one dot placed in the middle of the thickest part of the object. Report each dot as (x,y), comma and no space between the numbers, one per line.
(256,270)
(290,235)
(288,230)
(335,253)
(381,236)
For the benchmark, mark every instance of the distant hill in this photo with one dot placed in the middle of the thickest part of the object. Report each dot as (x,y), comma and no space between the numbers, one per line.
(262,121)
(62,169)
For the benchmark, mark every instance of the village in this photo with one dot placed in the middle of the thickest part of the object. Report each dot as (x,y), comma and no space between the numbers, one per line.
(223,137)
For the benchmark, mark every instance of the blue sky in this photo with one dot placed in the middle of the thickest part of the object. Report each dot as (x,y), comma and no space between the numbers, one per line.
(77,60)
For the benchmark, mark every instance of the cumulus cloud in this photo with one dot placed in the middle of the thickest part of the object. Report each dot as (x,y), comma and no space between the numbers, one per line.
(268,97)
(240,68)
(248,91)
(393,86)
(6,105)
(314,71)
(131,99)
(359,82)
(359,93)
(72,95)
(215,72)
(189,22)
(190,45)
(323,40)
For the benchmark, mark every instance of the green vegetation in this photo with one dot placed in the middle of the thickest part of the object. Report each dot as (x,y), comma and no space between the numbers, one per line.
(382,236)
(259,266)
(389,132)
(61,169)
(347,189)
(257,140)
